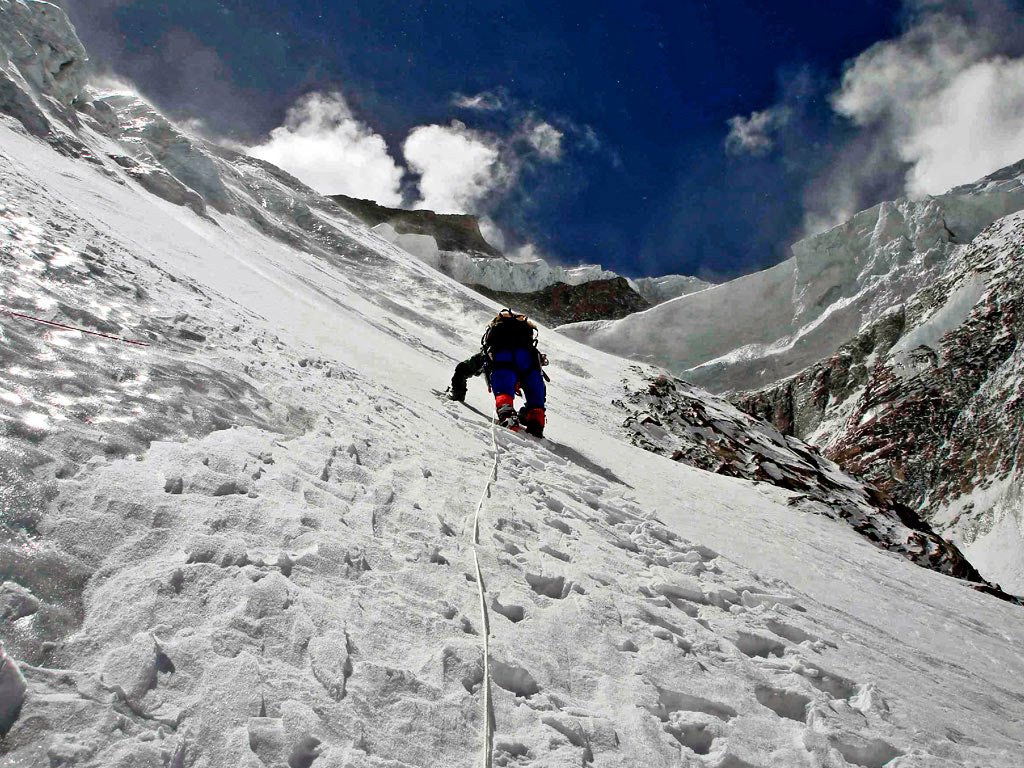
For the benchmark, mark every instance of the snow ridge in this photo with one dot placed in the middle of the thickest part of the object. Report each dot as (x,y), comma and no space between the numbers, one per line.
(758,329)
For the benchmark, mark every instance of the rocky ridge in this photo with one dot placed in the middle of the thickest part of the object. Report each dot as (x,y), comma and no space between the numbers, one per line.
(451,232)
(674,419)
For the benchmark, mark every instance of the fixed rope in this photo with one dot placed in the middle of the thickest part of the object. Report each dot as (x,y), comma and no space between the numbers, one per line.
(63,327)
(481,591)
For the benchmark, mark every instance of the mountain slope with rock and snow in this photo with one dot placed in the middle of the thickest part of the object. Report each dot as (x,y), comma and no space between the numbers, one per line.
(927,402)
(453,244)
(253,542)
(758,329)
(451,232)
(563,303)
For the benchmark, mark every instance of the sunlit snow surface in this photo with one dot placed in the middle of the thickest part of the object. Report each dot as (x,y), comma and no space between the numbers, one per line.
(307,574)
(248,543)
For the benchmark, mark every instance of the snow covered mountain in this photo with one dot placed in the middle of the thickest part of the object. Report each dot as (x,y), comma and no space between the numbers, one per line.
(452,244)
(240,529)
(927,402)
(756,330)
(658,290)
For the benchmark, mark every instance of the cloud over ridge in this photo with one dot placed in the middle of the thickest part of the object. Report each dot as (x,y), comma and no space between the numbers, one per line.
(458,167)
(945,94)
(327,147)
(938,105)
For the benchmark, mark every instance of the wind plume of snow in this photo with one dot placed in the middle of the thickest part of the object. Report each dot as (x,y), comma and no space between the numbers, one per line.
(949,101)
(323,144)
(485,101)
(755,135)
(938,105)
(546,140)
(459,168)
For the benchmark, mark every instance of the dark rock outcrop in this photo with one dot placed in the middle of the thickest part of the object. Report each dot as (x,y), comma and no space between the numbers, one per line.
(453,232)
(674,419)
(564,303)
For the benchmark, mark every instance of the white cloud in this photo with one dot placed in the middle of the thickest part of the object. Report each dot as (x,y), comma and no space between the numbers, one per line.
(950,104)
(485,101)
(492,232)
(545,139)
(939,105)
(326,147)
(755,135)
(459,168)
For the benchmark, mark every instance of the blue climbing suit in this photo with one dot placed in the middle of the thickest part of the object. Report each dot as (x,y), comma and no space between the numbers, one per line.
(513,369)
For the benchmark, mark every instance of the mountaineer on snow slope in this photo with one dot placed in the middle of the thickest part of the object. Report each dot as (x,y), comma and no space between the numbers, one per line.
(511,363)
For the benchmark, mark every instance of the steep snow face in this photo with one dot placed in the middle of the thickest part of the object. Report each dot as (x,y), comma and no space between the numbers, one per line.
(758,329)
(253,542)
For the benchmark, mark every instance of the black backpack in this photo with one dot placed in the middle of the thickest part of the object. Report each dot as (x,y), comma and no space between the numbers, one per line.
(509,330)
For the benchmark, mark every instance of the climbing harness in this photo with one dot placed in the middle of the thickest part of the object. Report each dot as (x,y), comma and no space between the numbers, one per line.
(63,327)
(481,591)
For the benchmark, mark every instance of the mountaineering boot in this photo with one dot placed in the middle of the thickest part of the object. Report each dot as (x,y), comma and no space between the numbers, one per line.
(506,412)
(533,419)
(507,418)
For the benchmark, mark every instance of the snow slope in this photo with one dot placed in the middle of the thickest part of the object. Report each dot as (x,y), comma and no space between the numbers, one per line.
(753,331)
(251,543)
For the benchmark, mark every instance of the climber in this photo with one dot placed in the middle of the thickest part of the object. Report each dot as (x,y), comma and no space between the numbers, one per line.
(511,362)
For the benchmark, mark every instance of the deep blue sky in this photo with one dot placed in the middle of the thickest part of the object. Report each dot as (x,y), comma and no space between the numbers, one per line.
(656,81)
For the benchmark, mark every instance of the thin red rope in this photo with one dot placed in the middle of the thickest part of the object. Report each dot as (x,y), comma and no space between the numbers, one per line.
(133,342)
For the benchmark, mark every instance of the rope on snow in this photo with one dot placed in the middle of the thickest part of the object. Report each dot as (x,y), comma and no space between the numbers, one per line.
(63,327)
(481,590)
